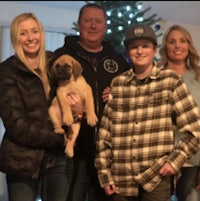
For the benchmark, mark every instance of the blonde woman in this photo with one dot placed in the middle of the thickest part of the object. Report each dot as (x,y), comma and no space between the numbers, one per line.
(24,92)
(178,53)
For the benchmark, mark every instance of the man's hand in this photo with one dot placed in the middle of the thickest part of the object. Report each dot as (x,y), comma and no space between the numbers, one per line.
(75,102)
(167,170)
(198,180)
(110,189)
(105,94)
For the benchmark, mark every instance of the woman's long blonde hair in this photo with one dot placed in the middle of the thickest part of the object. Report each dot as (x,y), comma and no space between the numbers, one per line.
(42,56)
(193,58)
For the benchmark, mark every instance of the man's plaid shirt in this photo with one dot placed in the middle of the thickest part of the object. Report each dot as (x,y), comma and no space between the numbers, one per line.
(136,131)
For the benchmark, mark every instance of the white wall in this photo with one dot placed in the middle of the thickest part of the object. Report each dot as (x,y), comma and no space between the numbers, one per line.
(51,18)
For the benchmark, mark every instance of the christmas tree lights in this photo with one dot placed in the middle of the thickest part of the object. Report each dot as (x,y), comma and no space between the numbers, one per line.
(120,16)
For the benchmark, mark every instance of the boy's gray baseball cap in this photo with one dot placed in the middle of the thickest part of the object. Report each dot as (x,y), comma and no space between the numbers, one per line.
(140,31)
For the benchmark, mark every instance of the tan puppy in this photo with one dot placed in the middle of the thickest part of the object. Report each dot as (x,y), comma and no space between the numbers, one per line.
(68,72)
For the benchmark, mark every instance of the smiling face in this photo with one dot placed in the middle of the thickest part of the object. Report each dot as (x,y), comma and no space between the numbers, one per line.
(177,47)
(29,37)
(92,25)
(141,52)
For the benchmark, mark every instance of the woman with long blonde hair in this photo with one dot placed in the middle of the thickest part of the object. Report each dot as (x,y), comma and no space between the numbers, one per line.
(179,54)
(24,89)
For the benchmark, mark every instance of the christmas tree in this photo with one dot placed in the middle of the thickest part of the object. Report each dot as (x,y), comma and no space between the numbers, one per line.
(120,16)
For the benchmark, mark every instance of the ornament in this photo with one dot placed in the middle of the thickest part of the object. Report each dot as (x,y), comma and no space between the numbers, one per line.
(157,27)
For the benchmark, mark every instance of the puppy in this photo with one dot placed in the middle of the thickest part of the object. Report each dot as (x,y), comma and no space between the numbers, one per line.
(68,73)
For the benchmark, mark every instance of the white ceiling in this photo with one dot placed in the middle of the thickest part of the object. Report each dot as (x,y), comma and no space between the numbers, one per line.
(184,12)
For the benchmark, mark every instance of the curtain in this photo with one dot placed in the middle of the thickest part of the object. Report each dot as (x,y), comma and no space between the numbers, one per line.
(54,40)
(6,49)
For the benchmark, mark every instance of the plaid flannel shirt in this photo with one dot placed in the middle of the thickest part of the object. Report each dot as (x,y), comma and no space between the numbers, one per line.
(136,132)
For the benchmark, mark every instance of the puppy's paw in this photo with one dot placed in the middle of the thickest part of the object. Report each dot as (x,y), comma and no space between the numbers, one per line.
(68,119)
(92,119)
(69,150)
(59,130)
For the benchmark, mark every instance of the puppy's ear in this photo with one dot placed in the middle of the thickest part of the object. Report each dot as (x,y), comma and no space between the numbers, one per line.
(77,69)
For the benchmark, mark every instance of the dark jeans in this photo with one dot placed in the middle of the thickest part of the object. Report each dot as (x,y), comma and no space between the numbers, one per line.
(85,186)
(57,179)
(22,188)
(80,182)
(185,188)
(160,193)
